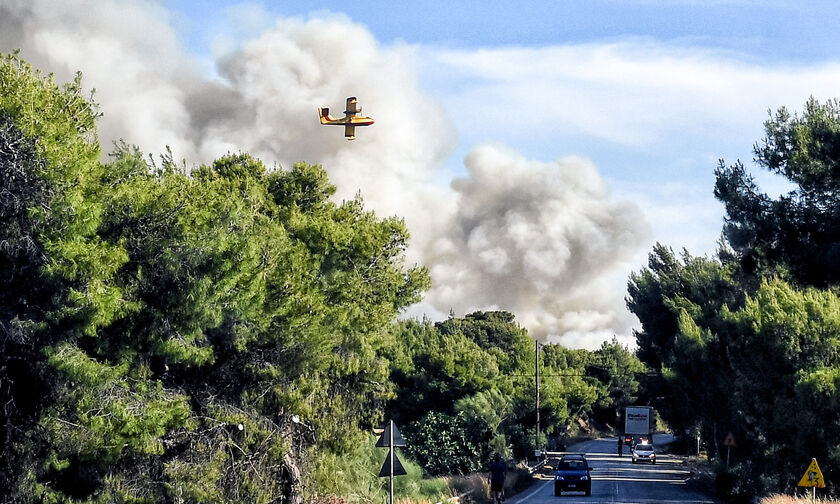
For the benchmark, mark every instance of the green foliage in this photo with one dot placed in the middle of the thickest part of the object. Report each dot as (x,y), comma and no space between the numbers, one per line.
(449,444)
(354,475)
(798,232)
(678,302)
(225,333)
(618,370)
(487,329)
(48,282)
(497,333)
(748,342)
(117,411)
(164,326)
(791,338)
(482,367)
(493,408)
(433,370)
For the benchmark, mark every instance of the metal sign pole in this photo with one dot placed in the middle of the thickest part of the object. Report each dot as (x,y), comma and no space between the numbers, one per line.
(391,459)
(537,383)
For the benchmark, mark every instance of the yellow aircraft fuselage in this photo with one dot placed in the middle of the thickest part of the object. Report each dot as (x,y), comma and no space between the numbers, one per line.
(350,119)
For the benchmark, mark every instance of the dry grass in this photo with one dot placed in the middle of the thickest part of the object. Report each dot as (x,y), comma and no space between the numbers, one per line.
(787,499)
(334,499)
(477,487)
(476,484)
(326,499)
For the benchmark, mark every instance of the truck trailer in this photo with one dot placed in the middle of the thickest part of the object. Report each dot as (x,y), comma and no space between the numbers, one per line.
(639,423)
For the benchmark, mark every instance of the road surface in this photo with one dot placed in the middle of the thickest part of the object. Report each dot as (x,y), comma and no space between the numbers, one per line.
(617,480)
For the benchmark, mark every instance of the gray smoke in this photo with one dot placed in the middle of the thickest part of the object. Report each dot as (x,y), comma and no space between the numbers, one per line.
(542,240)
(538,239)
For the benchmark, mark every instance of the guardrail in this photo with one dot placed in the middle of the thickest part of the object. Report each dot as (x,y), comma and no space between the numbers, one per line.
(548,455)
(558,454)
(531,470)
(539,465)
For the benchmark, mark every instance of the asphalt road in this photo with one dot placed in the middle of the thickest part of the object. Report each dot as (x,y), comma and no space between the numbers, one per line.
(617,480)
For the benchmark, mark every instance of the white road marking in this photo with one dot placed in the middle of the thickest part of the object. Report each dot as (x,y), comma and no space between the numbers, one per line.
(539,487)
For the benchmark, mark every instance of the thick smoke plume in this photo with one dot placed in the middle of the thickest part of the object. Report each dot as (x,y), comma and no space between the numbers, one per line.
(539,239)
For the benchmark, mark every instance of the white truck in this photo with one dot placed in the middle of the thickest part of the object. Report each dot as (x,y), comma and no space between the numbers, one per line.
(639,423)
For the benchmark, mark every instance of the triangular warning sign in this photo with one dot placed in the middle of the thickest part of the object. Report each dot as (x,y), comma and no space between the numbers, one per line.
(730,440)
(385,438)
(399,470)
(813,476)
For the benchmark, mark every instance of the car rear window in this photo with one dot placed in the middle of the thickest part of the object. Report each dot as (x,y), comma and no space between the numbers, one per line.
(572,464)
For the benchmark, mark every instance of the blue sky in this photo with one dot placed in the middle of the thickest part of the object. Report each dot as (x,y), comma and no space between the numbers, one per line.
(536,150)
(761,35)
(765,30)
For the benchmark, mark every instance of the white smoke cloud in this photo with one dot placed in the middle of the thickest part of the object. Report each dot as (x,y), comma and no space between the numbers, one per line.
(542,240)
(538,239)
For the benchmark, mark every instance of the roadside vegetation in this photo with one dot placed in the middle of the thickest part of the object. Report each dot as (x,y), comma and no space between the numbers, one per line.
(748,342)
(787,499)
(229,333)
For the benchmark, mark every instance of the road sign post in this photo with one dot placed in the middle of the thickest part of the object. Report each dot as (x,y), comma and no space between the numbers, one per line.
(813,478)
(391,438)
(729,442)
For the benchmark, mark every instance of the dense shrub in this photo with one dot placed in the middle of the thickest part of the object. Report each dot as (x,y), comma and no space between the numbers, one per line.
(449,444)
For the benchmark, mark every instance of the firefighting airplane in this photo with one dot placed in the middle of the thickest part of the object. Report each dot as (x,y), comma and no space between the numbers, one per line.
(349,121)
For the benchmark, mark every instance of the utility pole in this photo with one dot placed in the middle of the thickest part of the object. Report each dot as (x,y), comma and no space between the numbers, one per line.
(537,380)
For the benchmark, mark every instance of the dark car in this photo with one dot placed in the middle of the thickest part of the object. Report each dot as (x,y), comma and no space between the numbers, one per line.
(644,452)
(573,474)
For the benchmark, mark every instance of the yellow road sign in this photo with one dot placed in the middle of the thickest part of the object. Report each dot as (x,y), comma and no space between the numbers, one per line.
(813,476)
(730,440)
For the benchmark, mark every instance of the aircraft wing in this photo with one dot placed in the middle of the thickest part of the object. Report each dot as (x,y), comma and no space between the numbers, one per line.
(350,132)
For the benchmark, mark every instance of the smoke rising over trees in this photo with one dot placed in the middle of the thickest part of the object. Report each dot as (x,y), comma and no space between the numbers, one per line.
(259,97)
(158,322)
(226,333)
(538,239)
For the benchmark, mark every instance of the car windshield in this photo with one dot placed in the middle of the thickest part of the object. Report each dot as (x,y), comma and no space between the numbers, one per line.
(578,465)
(645,447)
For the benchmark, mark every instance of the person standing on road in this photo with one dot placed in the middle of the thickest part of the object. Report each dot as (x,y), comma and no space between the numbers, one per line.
(620,446)
(498,470)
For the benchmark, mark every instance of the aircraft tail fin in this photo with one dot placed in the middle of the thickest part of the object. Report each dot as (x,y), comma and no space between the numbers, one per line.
(324,114)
